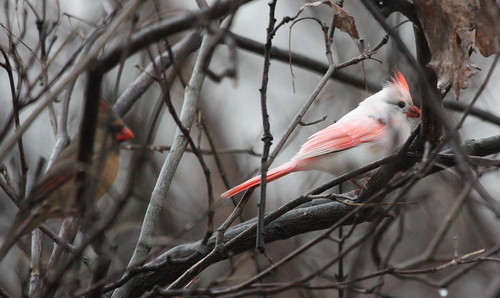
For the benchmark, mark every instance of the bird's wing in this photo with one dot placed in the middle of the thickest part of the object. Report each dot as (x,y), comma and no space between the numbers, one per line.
(37,207)
(341,136)
(60,173)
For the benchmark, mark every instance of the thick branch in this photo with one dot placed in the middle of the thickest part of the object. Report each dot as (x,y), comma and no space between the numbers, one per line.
(167,27)
(174,262)
(180,50)
(481,114)
(304,62)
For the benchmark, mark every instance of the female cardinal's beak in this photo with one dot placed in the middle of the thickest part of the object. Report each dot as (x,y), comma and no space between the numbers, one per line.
(413,112)
(124,135)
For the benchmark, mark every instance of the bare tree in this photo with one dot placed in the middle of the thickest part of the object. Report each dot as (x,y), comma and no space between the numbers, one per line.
(200,84)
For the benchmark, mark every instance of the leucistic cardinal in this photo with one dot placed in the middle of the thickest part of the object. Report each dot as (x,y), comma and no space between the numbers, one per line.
(376,128)
(53,196)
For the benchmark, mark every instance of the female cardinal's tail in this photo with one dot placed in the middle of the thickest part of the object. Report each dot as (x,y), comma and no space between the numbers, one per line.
(272,175)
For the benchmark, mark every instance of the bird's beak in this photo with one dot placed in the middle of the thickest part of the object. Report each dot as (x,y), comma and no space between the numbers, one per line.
(413,112)
(124,135)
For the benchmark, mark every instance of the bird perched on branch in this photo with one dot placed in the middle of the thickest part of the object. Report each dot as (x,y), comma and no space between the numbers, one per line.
(54,195)
(376,128)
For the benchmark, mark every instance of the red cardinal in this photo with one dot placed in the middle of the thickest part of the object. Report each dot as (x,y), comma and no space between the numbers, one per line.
(376,128)
(53,196)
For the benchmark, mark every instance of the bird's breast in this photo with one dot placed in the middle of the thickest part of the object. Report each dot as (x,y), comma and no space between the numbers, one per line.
(107,173)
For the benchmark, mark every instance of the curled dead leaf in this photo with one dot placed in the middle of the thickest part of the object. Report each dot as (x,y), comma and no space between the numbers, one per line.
(488,27)
(342,21)
(452,29)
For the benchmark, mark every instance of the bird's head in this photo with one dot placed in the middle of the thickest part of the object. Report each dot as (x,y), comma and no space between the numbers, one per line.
(396,93)
(114,124)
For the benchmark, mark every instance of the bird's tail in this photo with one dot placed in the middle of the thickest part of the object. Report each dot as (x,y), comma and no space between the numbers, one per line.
(272,175)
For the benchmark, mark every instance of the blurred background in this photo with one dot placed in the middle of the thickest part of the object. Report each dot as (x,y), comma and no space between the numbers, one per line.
(230,113)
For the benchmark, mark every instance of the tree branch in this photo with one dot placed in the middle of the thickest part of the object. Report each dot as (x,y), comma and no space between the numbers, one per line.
(305,62)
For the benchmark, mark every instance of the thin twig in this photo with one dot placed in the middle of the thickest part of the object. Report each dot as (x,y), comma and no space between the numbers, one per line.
(478,93)
(267,137)
(431,248)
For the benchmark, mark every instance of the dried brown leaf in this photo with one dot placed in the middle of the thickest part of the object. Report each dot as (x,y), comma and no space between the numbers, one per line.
(342,21)
(488,27)
(448,26)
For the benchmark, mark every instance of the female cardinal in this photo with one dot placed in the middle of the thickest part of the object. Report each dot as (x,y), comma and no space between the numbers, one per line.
(377,127)
(53,196)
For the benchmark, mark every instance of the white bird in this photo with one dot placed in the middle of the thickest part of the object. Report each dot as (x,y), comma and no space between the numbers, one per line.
(376,128)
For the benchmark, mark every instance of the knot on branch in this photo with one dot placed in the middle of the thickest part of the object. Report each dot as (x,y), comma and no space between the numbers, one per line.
(267,138)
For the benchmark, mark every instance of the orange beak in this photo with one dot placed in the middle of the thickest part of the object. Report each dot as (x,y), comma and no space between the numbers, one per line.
(413,112)
(124,135)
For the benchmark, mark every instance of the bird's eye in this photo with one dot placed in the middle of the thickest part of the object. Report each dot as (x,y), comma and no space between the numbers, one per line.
(401,104)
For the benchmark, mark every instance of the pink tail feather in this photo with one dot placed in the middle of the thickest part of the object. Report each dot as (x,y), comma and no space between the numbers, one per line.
(272,175)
